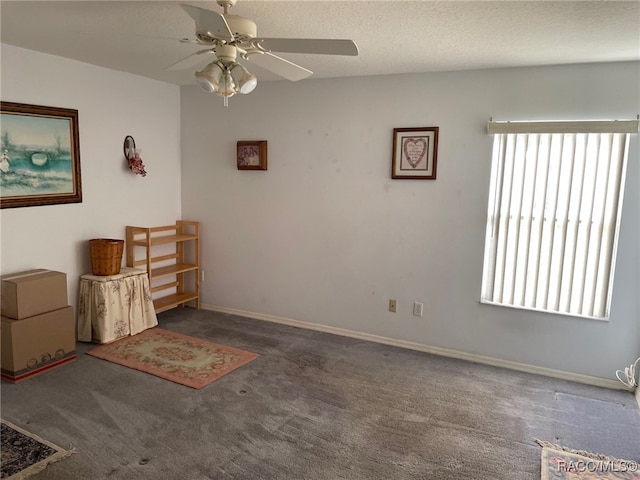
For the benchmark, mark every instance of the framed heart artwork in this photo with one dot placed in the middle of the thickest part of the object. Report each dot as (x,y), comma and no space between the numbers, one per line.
(415,153)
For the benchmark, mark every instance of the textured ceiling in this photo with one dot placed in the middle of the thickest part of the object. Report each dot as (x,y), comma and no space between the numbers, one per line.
(142,37)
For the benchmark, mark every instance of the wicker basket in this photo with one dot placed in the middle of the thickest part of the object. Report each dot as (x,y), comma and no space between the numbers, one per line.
(106,256)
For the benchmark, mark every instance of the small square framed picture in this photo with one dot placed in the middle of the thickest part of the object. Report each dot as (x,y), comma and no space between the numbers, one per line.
(252,155)
(415,153)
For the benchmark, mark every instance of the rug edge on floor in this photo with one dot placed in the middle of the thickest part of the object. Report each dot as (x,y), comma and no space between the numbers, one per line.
(61,453)
(102,352)
(552,447)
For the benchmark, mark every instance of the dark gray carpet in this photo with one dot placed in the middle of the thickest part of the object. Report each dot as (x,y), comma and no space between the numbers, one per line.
(313,406)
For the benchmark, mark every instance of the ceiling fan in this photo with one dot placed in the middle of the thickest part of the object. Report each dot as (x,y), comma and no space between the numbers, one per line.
(229,37)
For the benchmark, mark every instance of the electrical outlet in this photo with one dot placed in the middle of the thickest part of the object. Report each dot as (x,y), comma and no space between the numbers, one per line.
(393,305)
(417,309)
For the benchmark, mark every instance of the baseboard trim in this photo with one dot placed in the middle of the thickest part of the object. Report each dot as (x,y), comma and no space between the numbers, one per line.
(638,396)
(445,352)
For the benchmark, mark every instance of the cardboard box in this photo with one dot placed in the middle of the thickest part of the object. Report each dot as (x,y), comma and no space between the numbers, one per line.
(33,292)
(36,344)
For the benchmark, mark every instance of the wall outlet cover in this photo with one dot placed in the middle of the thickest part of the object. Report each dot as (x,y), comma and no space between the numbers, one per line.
(393,305)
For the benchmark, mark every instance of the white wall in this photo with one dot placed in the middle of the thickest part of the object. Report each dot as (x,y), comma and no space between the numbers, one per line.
(325,236)
(110,106)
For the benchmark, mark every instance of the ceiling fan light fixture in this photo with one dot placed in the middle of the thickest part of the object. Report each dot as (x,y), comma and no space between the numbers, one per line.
(230,37)
(245,82)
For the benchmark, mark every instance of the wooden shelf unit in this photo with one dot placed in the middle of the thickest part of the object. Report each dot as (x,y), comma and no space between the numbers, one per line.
(183,263)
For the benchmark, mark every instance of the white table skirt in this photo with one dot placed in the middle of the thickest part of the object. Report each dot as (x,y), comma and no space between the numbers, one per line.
(110,307)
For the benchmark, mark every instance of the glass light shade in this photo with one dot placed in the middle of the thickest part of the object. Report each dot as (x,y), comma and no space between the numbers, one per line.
(205,84)
(209,78)
(226,87)
(245,81)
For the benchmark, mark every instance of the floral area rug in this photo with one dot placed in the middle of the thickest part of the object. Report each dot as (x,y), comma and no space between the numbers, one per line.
(179,358)
(561,463)
(25,454)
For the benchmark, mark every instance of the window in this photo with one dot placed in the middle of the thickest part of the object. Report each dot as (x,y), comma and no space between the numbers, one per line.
(553,217)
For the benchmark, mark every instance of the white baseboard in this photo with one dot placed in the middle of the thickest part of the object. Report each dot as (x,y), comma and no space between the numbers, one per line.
(638,396)
(445,352)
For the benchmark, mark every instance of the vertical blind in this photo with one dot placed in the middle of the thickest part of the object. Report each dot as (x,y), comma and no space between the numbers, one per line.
(553,217)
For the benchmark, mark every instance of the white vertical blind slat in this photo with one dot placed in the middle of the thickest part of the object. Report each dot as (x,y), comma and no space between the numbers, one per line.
(515,208)
(526,220)
(503,218)
(611,223)
(607,170)
(564,182)
(595,225)
(492,214)
(539,196)
(545,236)
(573,193)
(555,229)
(580,286)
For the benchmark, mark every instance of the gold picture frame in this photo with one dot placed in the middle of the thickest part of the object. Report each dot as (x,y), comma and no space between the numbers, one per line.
(40,156)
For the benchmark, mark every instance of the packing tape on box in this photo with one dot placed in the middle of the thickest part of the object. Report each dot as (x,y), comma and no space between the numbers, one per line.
(22,275)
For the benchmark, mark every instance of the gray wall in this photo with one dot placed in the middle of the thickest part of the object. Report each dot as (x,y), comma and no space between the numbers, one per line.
(325,236)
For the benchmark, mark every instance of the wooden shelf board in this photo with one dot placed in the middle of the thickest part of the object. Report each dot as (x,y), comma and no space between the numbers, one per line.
(164,286)
(164,239)
(170,301)
(172,270)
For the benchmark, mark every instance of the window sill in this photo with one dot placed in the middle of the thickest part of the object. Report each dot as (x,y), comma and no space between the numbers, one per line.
(539,310)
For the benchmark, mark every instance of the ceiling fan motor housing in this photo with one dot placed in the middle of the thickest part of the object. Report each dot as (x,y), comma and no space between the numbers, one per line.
(242,28)
(227,54)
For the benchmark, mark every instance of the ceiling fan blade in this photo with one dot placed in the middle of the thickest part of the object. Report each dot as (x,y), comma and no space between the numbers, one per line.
(213,22)
(309,45)
(279,66)
(190,61)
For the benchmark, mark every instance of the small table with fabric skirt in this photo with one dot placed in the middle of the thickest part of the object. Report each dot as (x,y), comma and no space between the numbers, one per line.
(114,306)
